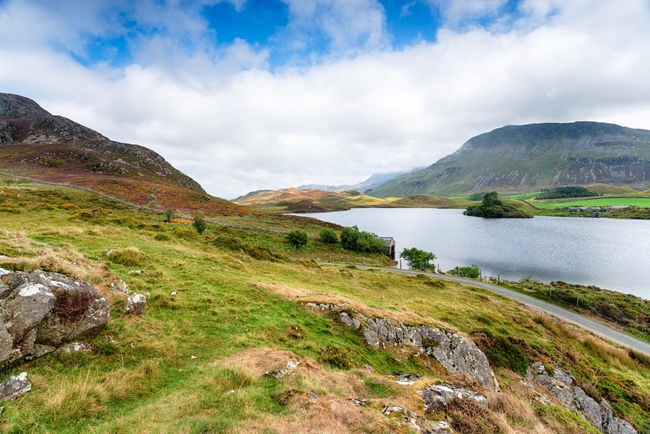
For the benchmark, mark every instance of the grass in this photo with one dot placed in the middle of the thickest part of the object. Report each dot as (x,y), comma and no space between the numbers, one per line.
(195,361)
(643,202)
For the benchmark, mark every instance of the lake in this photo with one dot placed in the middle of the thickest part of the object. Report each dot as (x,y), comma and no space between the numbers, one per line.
(609,253)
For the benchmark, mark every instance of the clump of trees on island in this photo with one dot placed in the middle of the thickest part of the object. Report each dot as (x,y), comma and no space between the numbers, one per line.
(493,207)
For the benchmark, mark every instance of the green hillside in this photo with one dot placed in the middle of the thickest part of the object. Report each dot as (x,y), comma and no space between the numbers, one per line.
(524,158)
(230,305)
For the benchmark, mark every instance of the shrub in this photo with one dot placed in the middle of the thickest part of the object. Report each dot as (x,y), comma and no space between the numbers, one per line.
(199,224)
(337,357)
(169,215)
(297,239)
(129,256)
(327,235)
(473,271)
(360,241)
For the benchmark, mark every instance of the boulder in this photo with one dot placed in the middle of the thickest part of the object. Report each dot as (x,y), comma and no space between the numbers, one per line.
(14,386)
(439,396)
(135,304)
(41,311)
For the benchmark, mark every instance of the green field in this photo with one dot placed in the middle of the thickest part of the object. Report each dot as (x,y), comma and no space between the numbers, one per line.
(643,202)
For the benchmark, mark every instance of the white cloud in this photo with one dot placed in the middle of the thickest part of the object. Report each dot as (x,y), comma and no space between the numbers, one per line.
(222,117)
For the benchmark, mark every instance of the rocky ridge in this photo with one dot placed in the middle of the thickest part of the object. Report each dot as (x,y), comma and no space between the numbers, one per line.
(563,387)
(455,352)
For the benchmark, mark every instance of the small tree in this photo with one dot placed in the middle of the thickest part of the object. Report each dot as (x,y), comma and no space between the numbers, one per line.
(199,224)
(418,259)
(360,241)
(328,236)
(297,239)
(169,215)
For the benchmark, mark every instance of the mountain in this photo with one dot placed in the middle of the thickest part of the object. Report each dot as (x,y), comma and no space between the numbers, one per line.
(374,180)
(39,145)
(305,201)
(531,157)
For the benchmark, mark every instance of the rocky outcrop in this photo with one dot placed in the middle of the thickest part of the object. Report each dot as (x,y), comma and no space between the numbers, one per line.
(563,386)
(455,352)
(41,311)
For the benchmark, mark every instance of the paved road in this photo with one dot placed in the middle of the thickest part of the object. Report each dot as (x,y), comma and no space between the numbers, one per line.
(563,314)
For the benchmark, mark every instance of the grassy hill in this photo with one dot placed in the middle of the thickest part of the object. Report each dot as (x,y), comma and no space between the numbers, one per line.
(523,158)
(229,305)
(39,145)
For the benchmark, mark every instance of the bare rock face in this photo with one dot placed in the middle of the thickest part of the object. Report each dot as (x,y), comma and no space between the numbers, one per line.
(562,386)
(41,311)
(455,352)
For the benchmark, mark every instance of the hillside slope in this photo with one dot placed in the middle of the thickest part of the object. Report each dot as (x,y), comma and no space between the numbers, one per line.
(39,145)
(530,157)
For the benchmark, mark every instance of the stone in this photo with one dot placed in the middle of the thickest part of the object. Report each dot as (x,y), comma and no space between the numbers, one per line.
(563,387)
(43,311)
(79,310)
(120,286)
(353,323)
(26,308)
(14,386)
(135,304)
(439,396)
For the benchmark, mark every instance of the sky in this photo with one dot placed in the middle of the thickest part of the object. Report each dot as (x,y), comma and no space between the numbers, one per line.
(244,95)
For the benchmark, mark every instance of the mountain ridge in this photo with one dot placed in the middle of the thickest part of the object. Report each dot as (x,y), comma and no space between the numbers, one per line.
(517,158)
(39,145)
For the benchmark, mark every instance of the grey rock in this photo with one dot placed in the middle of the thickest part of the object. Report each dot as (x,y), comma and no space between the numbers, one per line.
(120,286)
(563,386)
(439,396)
(353,323)
(135,304)
(14,386)
(79,310)
(26,308)
(43,311)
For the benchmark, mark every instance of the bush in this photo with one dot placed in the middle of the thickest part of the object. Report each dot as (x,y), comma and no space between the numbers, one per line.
(328,236)
(297,239)
(169,215)
(360,241)
(199,224)
(129,256)
(472,272)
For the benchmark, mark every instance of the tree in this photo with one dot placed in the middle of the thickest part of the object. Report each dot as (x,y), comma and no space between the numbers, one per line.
(360,241)
(199,224)
(418,259)
(328,236)
(297,239)
(169,215)
(493,207)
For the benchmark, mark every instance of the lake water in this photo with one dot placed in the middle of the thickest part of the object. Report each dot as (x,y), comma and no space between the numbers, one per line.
(609,253)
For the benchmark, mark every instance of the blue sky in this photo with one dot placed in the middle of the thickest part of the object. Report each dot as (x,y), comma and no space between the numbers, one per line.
(256,94)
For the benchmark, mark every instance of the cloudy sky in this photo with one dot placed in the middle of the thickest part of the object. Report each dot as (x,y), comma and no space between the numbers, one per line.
(262,94)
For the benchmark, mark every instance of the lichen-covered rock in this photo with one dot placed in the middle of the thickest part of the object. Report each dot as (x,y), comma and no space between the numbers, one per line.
(135,304)
(562,385)
(40,311)
(439,396)
(455,352)
(14,386)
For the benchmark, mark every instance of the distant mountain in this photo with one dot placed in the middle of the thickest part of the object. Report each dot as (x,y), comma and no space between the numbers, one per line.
(39,145)
(374,180)
(305,201)
(531,157)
